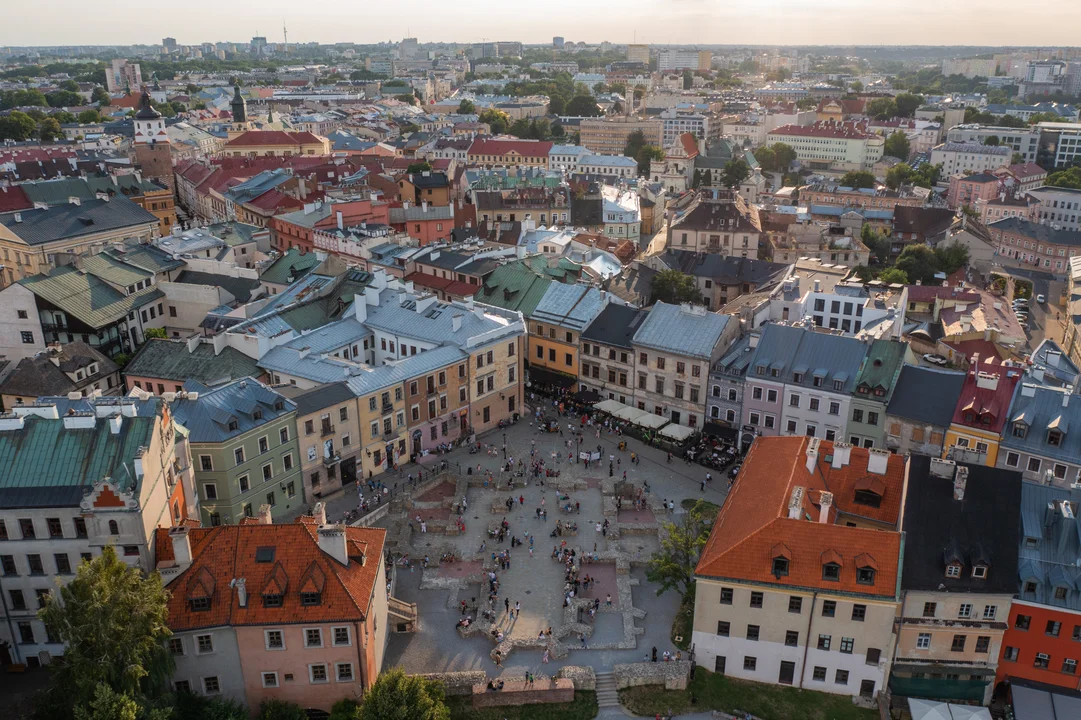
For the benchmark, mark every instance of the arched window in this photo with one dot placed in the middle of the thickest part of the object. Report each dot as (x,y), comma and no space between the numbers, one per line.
(114,529)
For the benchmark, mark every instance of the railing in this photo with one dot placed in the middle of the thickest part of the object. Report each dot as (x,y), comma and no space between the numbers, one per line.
(326,429)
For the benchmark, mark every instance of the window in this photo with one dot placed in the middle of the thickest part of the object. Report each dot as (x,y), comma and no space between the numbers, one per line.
(831,571)
(264,445)
(958,644)
(989,612)
(865,576)
(819,674)
(313,637)
(795,604)
(829,608)
(211,686)
(204,644)
(929,609)
(752,632)
(1069,666)
(791,638)
(273,600)
(965,611)
(983,643)
(1053,627)
(36,568)
(283,435)
(210,491)
(953,571)
(176,646)
(1010,653)
(7,563)
(63,565)
(1043,660)
(18,602)
(750,663)
(26,527)
(726,596)
(1022,622)
(824,642)
(873,656)
(270,679)
(859,613)
(923,641)
(345,672)
(841,678)
(26,632)
(206,463)
(27,337)
(723,628)
(317,673)
(55,529)
(341,636)
(847,644)
(756,599)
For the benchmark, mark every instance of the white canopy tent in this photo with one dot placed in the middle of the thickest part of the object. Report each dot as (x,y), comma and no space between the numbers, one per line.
(651,421)
(676,432)
(609,406)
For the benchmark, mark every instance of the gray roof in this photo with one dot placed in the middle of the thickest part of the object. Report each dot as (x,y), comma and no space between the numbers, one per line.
(398,371)
(62,222)
(398,315)
(1036,231)
(738,358)
(1042,409)
(676,329)
(1052,562)
(208,417)
(38,375)
(1056,365)
(776,350)
(414,213)
(239,287)
(171,360)
(569,306)
(723,269)
(926,395)
(615,325)
(331,336)
(322,397)
(830,358)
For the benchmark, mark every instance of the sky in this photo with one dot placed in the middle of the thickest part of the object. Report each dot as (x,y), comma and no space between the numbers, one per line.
(781,22)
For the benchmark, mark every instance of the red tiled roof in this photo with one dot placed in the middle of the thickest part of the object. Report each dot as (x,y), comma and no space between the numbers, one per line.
(927,293)
(1024,171)
(35,154)
(451,287)
(825,130)
(276,200)
(986,406)
(13,198)
(525,148)
(273,137)
(754,520)
(690,144)
(220,554)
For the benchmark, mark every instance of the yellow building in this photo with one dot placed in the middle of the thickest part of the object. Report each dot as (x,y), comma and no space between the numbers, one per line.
(556,326)
(981,412)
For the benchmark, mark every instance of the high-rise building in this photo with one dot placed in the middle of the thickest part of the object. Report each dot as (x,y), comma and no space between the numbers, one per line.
(638,53)
(169,44)
(558,42)
(258,45)
(671,59)
(407,48)
(123,76)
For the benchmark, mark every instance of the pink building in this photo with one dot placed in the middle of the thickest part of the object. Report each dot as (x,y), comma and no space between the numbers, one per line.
(967,189)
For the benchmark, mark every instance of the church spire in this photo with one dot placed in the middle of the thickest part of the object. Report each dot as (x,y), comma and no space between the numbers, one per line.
(240,108)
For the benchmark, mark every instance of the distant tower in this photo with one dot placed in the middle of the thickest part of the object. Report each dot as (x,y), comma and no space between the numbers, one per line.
(240,115)
(152,150)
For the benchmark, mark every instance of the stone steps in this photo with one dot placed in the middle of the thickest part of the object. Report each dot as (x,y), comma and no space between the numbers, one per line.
(607,694)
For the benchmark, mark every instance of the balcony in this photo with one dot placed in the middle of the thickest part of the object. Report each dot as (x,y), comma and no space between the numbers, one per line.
(334,459)
(388,408)
(388,436)
(326,429)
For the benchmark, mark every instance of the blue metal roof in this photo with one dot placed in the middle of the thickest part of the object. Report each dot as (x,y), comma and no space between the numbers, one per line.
(1052,563)
(435,324)
(569,306)
(1041,409)
(332,336)
(674,329)
(207,418)
(393,373)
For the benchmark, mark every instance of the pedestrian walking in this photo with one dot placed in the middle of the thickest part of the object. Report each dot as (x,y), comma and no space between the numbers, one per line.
(544,658)
(608,599)
(517,608)
(506,604)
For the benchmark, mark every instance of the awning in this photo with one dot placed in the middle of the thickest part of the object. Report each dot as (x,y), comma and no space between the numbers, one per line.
(549,377)
(587,396)
(609,406)
(676,432)
(628,413)
(649,420)
(717,430)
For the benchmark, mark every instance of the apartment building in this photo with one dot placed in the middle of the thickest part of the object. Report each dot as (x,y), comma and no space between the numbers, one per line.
(296,612)
(969,157)
(716,221)
(1038,244)
(876,198)
(876,383)
(557,323)
(921,409)
(982,412)
(726,381)
(676,59)
(244,448)
(676,345)
(1023,141)
(565,157)
(608,360)
(818,390)
(510,153)
(831,146)
(604,136)
(1060,144)
(798,583)
(78,475)
(960,574)
(1058,207)
(329,435)
(1036,441)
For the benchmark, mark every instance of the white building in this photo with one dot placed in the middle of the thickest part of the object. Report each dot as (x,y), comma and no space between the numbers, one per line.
(565,158)
(831,146)
(670,59)
(1020,140)
(621,213)
(675,122)
(1064,140)
(969,157)
(1058,207)
(610,165)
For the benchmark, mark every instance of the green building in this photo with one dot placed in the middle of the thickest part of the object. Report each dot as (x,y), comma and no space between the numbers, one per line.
(875,383)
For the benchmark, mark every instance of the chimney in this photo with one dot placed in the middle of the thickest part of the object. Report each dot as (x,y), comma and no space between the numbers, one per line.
(264,515)
(943,468)
(878,460)
(319,512)
(181,546)
(242,592)
(1066,396)
(341,225)
(960,480)
(333,541)
(842,455)
(424,206)
(456,323)
(795,504)
(825,502)
(812,454)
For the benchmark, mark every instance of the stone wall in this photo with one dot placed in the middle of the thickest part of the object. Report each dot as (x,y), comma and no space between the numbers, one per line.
(584,678)
(515,692)
(673,675)
(459,683)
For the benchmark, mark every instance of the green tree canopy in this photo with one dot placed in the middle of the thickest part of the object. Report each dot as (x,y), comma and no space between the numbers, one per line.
(556,105)
(951,258)
(879,245)
(49,130)
(112,621)
(881,108)
(418,167)
(17,125)
(497,120)
(69,85)
(777,157)
(918,263)
(87,117)
(672,567)
(858,179)
(907,104)
(897,145)
(275,709)
(735,172)
(992,140)
(64,117)
(466,107)
(100,96)
(583,106)
(397,696)
(893,275)
(646,155)
(672,286)
(64,98)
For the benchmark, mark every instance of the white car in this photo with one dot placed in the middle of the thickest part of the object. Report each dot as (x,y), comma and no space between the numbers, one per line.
(1041,299)
(936,359)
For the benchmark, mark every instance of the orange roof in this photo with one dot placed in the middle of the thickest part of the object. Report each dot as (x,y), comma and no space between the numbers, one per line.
(690,144)
(524,148)
(273,137)
(754,525)
(220,554)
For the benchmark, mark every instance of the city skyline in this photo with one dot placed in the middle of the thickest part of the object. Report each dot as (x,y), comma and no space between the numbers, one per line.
(771,22)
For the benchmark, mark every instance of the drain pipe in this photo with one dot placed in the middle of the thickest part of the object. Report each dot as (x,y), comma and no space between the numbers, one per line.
(807,646)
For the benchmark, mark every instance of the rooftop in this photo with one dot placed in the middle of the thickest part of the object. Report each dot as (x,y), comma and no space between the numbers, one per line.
(615,325)
(47,373)
(218,414)
(682,330)
(72,220)
(569,306)
(926,395)
(175,360)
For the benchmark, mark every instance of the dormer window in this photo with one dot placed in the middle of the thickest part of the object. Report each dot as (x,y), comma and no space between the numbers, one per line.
(1060,593)
(1030,587)
(953,570)
(868,498)
(233,425)
(1054,438)
(257,415)
(818,380)
(865,575)
(760,370)
(970,417)
(987,418)
(199,604)
(775,372)
(308,599)
(798,378)
(838,385)
(980,572)
(279,405)
(863,390)
(831,572)
(273,600)
(1020,430)
(780,567)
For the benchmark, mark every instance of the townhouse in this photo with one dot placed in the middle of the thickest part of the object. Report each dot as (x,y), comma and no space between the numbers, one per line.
(765,378)
(920,410)
(557,323)
(726,381)
(296,612)
(818,390)
(717,221)
(1058,206)
(329,435)
(720,279)
(1036,438)
(876,382)
(608,357)
(960,574)
(509,153)
(61,369)
(564,158)
(78,475)
(961,157)
(982,412)
(244,448)
(162,365)
(1038,244)
(1043,633)
(798,583)
(676,345)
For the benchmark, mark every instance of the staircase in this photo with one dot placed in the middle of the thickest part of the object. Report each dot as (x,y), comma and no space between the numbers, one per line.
(607,694)
(403,615)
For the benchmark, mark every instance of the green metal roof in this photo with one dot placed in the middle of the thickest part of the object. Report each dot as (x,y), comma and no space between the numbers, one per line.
(291,264)
(86,297)
(564,269)
(514,287)
(57,192)
(882,366)
(147,257)
(171,360)
(116,271)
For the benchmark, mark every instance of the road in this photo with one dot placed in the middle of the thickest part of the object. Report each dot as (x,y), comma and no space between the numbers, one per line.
(1044,319)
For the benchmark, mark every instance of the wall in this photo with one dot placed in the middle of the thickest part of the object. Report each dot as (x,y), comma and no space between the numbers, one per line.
(823,420)
(599,357)
(946,623)
(767,407)
(1035,640)
(186,306)
(312,445)
(223,662)
(905,437)
(449,392)
(14,301)
(506,398)
(559,353)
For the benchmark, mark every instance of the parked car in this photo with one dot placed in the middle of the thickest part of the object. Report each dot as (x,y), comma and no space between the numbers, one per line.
(936,359)
(1041,299)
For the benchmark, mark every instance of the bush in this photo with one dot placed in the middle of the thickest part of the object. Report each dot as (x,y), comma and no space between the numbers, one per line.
(281,710)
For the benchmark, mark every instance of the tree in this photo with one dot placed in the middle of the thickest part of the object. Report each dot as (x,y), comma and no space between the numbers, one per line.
(617,108)
(556,105)
(735,172)
(688,80)
(49,130)
(1069,178)
(893,275)
(647,155)
(951,258)
(112,621)
(672,286)
(345,709)
(69,85)
(466,107)
(64,98)
(879,245)
(858,179)
(192,706)
(1017,158)
(583,106)
(556,130)
(275,709)
(897,145)
(64,117)
(672,567)
(635,142)
(600,88)
(992,141)
(407,99)
(397,696)
(918,263)
(881,108)
(907,104)
(100,96)
(497,120)
(898,175)
(17,125)
(418,167)
(777,157)
(87,117)
(409,129)
(108,705)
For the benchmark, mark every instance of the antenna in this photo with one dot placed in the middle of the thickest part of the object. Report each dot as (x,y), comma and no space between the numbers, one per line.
(285,32)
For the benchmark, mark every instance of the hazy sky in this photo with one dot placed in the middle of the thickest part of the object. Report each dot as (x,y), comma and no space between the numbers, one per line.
(909,22)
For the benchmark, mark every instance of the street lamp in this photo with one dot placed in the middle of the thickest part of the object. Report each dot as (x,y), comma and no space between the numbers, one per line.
(578,455)
(504,446)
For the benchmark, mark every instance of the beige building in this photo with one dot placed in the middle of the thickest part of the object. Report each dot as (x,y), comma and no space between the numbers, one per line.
(608,136)
(330,435)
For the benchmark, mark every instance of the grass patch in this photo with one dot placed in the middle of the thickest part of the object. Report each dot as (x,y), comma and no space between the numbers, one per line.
(710,508)
(717,692)
(583,707)
(683,625)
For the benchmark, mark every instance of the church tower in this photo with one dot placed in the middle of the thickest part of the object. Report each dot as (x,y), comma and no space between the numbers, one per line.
(240,123)
(152,150)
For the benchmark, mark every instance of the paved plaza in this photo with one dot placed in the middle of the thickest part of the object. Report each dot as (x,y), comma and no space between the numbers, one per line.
(626,631)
